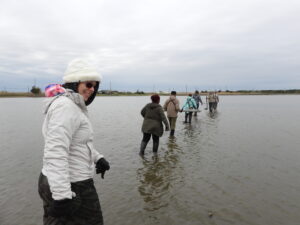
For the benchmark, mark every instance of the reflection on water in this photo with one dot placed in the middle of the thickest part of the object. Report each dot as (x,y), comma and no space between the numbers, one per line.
(190,130)
(157,176)
(213,114)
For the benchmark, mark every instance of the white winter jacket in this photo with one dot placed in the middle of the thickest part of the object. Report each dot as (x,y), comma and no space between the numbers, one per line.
(69,154)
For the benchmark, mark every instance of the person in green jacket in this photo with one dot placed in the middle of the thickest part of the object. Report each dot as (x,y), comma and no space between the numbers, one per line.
(152,125)
(190,103)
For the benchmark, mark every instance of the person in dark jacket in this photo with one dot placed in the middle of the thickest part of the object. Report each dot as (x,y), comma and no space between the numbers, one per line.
(152,125)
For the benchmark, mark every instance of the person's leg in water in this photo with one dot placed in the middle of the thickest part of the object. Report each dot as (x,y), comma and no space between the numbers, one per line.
(146,138)
(172,133)
(155,143)
(190,116)
(174,119)
(172,122)
(215,106)
(195,114)
(186,117)
(210,104)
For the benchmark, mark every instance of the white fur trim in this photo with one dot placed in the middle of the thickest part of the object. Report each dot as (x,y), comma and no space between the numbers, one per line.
(77,78)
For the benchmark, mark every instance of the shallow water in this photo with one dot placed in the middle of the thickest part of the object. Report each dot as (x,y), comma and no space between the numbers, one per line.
(238,166)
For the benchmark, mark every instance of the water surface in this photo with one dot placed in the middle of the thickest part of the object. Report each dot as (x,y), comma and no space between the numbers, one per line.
(238,166)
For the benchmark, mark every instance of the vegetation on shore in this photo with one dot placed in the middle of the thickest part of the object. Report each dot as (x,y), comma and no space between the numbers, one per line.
(263,92)
(35,92)
(5,94)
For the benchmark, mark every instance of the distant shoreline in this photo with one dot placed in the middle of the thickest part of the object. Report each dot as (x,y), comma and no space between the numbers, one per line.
(224,93)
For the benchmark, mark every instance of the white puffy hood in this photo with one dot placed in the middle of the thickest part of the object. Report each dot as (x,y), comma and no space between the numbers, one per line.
(75,97)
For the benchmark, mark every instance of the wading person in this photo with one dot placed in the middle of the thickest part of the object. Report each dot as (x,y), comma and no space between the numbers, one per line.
(189,105)
(216,98)
(198,100)
(212,99)
(152,125)
(172,107)
(66,182)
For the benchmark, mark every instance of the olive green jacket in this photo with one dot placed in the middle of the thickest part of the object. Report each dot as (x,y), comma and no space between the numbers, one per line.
(153,118)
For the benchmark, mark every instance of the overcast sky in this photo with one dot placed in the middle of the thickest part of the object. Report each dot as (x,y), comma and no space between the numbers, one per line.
(153,44)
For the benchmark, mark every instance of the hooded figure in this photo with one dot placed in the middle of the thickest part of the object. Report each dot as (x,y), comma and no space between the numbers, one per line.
(152,125)
(66,182)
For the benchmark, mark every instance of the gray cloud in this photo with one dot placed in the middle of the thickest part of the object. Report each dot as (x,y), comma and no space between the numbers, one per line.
(141,44)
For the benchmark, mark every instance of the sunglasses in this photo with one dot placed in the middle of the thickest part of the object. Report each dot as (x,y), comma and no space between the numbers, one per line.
(90,85)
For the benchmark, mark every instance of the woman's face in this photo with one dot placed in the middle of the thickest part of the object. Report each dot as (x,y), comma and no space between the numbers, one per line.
(86,89)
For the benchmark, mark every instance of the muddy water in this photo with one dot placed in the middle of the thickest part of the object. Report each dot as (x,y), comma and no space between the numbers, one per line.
(238,166)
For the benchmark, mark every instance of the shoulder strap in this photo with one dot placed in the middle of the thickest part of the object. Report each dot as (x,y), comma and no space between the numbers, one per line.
(189,101)
(173,103)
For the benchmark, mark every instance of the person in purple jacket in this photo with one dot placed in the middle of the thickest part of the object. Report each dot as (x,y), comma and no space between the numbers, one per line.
(198,100)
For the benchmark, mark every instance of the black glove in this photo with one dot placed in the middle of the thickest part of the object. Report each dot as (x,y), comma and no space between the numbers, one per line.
(65,207)
(101,166)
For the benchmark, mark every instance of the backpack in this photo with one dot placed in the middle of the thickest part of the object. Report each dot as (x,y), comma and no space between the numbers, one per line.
(188,102)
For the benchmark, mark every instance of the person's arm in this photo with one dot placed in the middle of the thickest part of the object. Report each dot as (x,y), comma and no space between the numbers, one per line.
(100,162)
(166,105)
(164,119)
(143,112)
(95,154)
(194,103)
(177,106)
(185,105)
(63,122)
(200,100)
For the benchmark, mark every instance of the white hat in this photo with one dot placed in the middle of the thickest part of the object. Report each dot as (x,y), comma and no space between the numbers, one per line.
(79,70)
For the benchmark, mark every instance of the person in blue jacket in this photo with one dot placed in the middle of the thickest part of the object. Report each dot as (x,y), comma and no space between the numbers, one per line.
(198,100)
(190,103)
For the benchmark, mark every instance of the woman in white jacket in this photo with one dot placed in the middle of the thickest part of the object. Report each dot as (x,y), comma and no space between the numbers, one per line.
(66,183)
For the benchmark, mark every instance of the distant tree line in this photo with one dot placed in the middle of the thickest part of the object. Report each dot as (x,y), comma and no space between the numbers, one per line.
(111,92)
(35,90)
(290,91)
